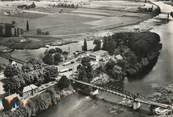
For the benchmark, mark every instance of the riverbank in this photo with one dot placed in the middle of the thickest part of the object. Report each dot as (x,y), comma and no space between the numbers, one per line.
(39,102)
(77,111)
(139,51)
(163,94)
(91,19)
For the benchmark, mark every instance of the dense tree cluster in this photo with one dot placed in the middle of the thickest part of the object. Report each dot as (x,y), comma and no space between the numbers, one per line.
(40,32)
(11,70)
(85,70)
(27,26)
(137,49)
(32,72)
(66,5)
(142,43)
(84,47)
(33,106)
(97,45)
(64,82)
(37,77)
(54,56)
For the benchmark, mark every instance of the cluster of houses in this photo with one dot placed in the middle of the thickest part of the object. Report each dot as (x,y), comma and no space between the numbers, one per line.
(70,3)
(101,57)
(10,30)
(14,100)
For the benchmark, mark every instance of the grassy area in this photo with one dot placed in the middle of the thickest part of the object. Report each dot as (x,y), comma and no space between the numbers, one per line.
(98,16)
(95,16)
(21,43)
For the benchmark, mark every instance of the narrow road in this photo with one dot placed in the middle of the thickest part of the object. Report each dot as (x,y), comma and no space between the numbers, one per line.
(165,8)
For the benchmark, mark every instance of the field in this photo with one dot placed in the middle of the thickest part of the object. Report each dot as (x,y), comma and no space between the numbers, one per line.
(71,23)
(95,16)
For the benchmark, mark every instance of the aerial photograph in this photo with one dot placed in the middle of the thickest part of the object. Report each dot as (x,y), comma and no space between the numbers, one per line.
(86,58)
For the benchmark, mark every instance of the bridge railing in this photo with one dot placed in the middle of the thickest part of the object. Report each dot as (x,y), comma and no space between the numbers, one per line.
(124,95)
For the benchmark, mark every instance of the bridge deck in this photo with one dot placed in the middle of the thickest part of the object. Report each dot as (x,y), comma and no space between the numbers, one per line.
(124,95)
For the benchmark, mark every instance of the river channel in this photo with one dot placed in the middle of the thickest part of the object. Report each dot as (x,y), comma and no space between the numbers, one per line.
(161,75)
(82,106)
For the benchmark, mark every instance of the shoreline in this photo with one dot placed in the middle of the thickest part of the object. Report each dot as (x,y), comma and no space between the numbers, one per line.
(31,114)
(84,34)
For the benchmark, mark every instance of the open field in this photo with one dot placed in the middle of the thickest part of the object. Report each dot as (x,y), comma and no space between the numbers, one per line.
(96,15)
(71,22)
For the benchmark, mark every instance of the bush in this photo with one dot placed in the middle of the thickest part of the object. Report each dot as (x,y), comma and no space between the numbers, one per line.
(11,71)
(64,82)
(53,56)
(39,31)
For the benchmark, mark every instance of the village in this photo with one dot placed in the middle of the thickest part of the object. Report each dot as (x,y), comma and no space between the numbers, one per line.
(53,51)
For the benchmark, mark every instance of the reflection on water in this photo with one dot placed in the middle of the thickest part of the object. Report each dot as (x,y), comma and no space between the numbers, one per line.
(79,106)
(161,75)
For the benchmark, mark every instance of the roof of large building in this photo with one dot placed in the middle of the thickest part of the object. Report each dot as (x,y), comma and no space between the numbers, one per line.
(99,53)
(29,88)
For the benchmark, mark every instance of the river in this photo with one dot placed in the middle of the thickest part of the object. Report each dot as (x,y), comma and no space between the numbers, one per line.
(161,75)
(82,106)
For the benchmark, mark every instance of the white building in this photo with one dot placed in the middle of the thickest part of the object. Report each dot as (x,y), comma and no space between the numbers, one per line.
(29,90)
(97,55)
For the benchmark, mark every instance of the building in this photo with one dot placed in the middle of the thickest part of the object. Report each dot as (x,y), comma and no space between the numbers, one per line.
(119,57)
(12,101)
(29,90)
(97,55)
(10,30)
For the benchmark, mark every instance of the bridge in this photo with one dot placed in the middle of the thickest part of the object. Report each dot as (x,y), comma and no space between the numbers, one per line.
(137,99)
(10,58)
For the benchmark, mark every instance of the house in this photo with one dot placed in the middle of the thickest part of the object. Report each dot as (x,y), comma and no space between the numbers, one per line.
(10,30)
(12,100)
(117,69)
(97,55)
(29,90)
(119,57)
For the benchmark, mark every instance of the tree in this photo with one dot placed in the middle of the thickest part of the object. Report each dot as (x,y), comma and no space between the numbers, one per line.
(171,14)
(64,82)
(85,70)
(58,50)
(131,57)
(26,68)
(84,47)
(34,61)
(97,45)
(13,22)
(53,56)
(65,54)
(48,59)
(57,58)
(52,51)
(109,66)
(11,71)
(27,26)
(109,44)
(39,31)
(85,61)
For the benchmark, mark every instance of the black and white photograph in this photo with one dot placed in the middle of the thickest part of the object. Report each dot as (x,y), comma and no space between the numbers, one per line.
(86,58)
